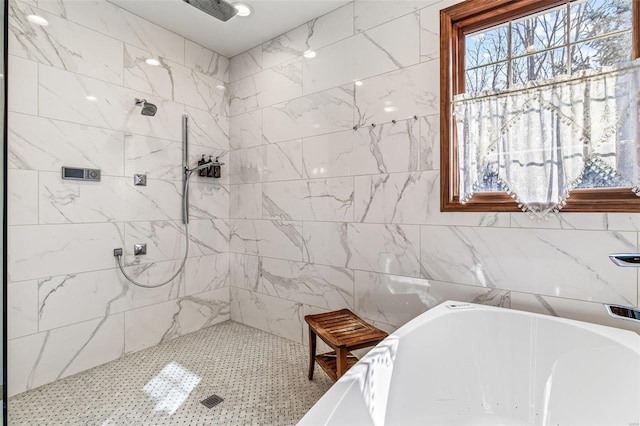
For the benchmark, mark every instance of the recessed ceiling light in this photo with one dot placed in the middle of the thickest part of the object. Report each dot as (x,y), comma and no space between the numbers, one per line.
(358,83)
(309,54)
(243,10)
(38,20)
(152,62)
(91,98)
(220,87)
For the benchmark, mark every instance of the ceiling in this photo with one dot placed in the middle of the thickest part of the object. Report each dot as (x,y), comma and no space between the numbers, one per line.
(270,19)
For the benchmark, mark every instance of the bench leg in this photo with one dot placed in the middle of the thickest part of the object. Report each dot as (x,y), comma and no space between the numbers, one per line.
(341,361)
(312,352)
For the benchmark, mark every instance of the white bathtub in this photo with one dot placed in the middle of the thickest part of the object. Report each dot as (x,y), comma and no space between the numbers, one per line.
(465,364)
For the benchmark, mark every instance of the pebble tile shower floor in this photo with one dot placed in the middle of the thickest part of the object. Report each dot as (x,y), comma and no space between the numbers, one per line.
(261,377)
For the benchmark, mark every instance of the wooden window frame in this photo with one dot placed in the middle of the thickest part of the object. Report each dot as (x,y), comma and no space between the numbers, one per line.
(474,15)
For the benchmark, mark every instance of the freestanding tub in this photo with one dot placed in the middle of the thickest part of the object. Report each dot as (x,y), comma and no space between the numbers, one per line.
(465,364)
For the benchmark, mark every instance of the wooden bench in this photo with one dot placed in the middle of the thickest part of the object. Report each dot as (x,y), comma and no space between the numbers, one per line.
(343,331)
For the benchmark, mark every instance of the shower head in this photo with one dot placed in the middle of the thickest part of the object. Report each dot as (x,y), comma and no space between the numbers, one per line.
(147,107)
(219,9)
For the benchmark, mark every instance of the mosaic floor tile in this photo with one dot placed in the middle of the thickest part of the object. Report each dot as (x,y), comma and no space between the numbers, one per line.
(262,379)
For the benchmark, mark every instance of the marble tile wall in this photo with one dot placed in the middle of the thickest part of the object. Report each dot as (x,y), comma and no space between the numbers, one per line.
(70,309)
(323,216)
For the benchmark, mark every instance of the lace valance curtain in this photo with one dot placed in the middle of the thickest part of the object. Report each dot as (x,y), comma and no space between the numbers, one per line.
(537,141)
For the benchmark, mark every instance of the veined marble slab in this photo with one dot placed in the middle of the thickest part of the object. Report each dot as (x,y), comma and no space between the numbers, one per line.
(63,44)
(245,64)
(23,96)
(368,150)
(22,197)
(281,317)
(44,357)
(311,200)
(61,249)
(206,61)
(22,308)
(271,162)
(105,17)
(395,299)
(370,13)
(246,201)
(206,273)
(152,325)
(272,238)
(316,114)
(268,87)
(246,130)
(399,95)
(570,264)
(319,32)
(391,46)
(37,143)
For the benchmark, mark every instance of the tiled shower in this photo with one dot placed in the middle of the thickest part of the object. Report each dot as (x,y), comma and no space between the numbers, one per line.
(329,197)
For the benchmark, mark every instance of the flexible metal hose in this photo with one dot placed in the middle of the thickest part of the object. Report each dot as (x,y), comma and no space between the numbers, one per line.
(185,191)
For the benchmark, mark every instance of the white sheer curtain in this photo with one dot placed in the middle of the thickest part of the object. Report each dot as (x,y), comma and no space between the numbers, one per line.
(536,140)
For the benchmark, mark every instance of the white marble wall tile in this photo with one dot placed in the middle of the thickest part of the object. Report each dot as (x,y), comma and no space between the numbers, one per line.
(313,199)
(110,200)
(319,32)
(44,357)
(22,197)
(42,144)
(271,162)
(435,217)
(152,274)
(154,157)
(430,142)
(370,13)
(61,248)
(245,130)
(152,325)
(111,20)
(382,149)
(207,129)
(68,299)
(206,61)
(396,300)
(209,237)
(593,221)
(206,273)
(200,90)
(282,161)
(326,243)
(245,64)
(246,201)
(208,199)
(244,271)
(22,308)
(62,96)
(271,238)
(281,317)
(430,29)
(568,308)
(413,91)
(324,286)
(273,85)
(165,241)
(149,79)
(23,96)
(394,198)
(324,112)
(246,165)
(390,249)
(63,44)
(388,47)
(570,264)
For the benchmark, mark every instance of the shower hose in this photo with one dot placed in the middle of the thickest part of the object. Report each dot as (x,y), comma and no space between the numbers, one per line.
(118,252)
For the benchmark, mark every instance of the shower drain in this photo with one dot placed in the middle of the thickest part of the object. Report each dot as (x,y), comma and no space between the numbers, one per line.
(212,401)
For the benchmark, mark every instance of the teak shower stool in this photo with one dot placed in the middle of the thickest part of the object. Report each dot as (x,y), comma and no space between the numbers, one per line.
(343,331)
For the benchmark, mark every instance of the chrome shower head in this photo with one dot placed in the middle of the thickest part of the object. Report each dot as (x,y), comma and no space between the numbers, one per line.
(219,9)
(148,108)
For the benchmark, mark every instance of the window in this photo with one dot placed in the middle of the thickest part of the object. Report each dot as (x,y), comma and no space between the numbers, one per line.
(495,45)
